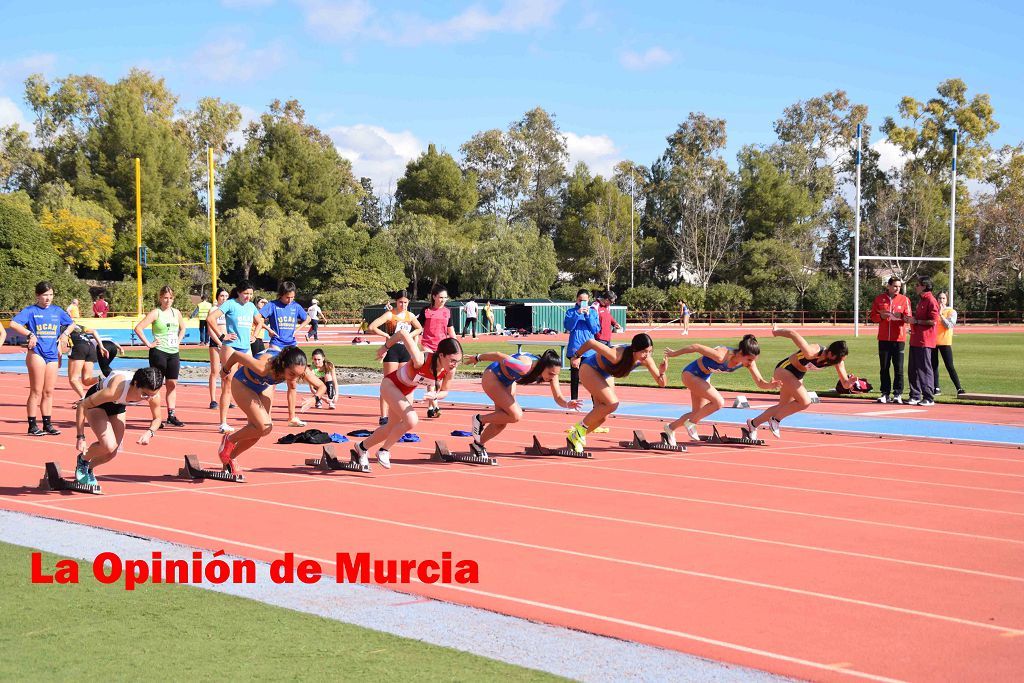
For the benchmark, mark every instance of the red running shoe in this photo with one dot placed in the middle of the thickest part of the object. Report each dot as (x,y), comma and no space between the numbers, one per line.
(227,447)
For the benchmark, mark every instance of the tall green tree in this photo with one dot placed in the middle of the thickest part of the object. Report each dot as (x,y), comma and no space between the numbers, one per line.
(490,156)
(540,154)
(511,261)
(433,185)
(19,161)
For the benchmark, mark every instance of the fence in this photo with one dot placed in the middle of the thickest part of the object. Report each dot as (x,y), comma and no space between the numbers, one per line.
(804,317)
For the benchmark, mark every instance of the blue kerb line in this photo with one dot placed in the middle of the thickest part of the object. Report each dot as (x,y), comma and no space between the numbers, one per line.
(1003,435)
(941,430)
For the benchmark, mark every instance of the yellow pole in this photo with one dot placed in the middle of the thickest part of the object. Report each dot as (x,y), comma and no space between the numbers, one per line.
(138,233)
(213,230)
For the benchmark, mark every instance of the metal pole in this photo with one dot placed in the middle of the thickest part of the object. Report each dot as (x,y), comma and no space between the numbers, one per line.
(856,247)
(632,231)
(952,219)
(213,229)
(138,235)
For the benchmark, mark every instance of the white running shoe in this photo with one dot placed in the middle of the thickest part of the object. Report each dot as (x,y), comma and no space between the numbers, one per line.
(898,400)
(691,429)
(913,401)
(670,435)
(926,403)
(225,428)
(883,399)
(773,427)
(384,459)
(751,430)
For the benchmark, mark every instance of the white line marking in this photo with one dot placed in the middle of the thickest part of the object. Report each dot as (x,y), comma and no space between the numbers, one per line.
(896,411)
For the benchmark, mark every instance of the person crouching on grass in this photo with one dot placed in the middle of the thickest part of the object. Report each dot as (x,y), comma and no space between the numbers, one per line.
(103,407)
(249,387)
(433,370)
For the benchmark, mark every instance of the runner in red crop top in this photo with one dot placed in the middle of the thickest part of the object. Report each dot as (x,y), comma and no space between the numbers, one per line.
(432,370)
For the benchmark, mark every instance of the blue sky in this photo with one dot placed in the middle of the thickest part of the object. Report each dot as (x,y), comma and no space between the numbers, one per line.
(385,79)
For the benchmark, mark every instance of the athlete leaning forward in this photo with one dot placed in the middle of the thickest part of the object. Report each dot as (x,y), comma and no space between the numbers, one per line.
(499,383)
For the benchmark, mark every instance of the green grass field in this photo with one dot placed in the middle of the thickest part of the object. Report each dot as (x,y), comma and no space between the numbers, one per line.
(95,632)
(986,363)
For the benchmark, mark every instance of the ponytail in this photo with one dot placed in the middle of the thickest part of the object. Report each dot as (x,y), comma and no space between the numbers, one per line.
(549,359)
(290,357)
(749,347)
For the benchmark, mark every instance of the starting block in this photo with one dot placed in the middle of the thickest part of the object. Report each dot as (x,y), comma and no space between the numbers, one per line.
(192,470)
(476,456)
(640,443)
(740,402)
(717,437)
(568,451)
(53,481)
(813,395)
(328,462)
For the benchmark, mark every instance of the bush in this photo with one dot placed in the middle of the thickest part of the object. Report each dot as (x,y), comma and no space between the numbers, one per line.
(726,296)
(830,294)
(693,295)
(775,296)
(643,298)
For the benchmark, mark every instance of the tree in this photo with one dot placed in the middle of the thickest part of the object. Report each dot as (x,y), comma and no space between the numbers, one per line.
(433,185)
(606,220)
(425,245)
(697,195)
(248,241)
(511,261)
(80,241)
(927,136)
(370,211)
(490,157)
(296,243)
(292,165)
(539,156)
(208,127)
(19,162)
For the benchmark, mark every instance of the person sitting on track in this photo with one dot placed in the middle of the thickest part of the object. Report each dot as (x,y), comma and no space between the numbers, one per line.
(599,364)
(433,369)
(790,372)
(104,407)
(324,371)
(704,398)
(249,387)
(499,383)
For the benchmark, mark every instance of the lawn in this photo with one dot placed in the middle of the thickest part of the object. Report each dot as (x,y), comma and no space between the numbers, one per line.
(986,363)
(166,632)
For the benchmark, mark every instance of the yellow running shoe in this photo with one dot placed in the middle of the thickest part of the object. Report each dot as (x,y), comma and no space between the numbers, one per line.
(577,437)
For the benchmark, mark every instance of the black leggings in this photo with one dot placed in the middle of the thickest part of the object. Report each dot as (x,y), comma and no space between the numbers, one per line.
(947,359)
(574,383)
(332,389)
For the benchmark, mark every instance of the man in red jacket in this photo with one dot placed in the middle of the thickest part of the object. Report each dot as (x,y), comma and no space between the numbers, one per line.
(922,340)
(888,310)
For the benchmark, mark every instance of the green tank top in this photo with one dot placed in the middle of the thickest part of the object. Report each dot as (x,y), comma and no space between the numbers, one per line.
(165,330)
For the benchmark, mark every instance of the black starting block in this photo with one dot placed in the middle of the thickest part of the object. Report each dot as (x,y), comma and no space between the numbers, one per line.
(328,462)
(53,481)
(718,437)
(568,451)
(192,470)
(640,443)
(477,455)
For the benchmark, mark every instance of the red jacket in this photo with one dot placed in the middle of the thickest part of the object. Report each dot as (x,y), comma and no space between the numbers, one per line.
(890,330)
(604,314)
(927,309)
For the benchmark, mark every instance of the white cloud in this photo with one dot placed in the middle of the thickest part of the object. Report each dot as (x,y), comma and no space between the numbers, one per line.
(237,137)
(889,155)
(11,113)
(336,20)
(231,59)
(377,153)
(15,70)
(598,152)
(651,59)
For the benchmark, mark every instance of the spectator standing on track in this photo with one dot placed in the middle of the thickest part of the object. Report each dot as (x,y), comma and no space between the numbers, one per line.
(436,321)
(684,316)
(582,323)
(202,310)
(168,328)
(606,322)
(73,310)
(944,345)
(315,314)
(922,342)
(472,308)
(888,310)
(100,308)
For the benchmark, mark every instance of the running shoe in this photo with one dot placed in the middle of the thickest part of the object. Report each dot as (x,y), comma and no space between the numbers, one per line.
(883,399)
(961,392)
(214,405)
(173,420)
(670,435)
(926,403)
(382,421)
(577,438)
(898,400)
(751,430)
(433,412)
(296,423)
(36,431)
(478,427)
(384,459)
(51,430)
(82,471)
(913,401)
(225,428)
(362,454)
(774,427)
(227,447)
(937,391)
(691,429)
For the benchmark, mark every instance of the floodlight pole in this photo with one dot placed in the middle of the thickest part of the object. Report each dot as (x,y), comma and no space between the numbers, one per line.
(213,229)
(952,218)
(856,247)
(632,230)
(138,235)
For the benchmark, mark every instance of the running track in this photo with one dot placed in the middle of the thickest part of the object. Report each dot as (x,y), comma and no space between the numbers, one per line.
(822,557)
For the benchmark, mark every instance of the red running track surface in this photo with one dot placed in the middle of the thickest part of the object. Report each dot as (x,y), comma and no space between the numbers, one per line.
(830,558)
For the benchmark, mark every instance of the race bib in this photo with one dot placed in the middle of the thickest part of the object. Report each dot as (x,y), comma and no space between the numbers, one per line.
(403,327)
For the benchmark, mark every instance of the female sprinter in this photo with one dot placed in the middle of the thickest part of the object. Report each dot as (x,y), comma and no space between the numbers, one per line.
(324,371)
(433,369)
(599,364)
(40,324)
(396,320)
(704,398)
(103,407)
(87,347)
(499,382)
(237,322)
(213,333)
(249,387)
(168,331)
(790,372)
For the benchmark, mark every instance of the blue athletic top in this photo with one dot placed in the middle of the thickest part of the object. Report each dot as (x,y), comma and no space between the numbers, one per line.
(599,363)
(283,319)
(45,324)
(238,319)
(507,374)
(710,365)
(257,383)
